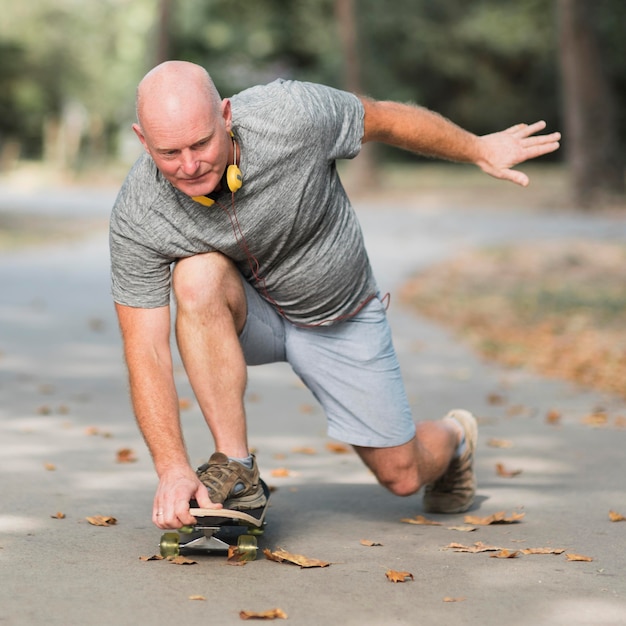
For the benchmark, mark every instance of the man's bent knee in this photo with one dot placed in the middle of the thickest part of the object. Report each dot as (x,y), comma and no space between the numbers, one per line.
(205,283)
(395,468)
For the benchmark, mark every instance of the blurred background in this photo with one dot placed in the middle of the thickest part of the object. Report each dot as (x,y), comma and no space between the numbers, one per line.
(69,68)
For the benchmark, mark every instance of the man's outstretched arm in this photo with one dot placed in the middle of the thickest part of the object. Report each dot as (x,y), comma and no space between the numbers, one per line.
(425,132)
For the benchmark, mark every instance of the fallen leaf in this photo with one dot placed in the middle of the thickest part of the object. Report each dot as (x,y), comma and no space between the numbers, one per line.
(463,529)
(542,551)
(398,577)
(449,599)
(553,417)
(281,472)
(181,560)
(101,520)
(306,408)
(58,515)
(499,443)
(125,455)
(271,614)
(578,557)
(281,556)
(478,546)
(496,398)
(304,450)
(337,448)
(370,544)
(496,518)
(614,516)
(504,554)
(619,422)
(420,520)
(50,467)
(505,473)
(184,404)
(197,598)
(154,557)
(596,420)
(44,410)
(236,556)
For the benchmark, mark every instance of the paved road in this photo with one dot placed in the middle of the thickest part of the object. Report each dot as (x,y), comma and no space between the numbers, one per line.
(64,415)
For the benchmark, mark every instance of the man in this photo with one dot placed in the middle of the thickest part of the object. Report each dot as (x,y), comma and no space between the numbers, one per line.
(274,271)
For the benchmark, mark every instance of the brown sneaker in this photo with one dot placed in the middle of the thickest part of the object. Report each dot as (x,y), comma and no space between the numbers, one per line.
(454,491)
(231,483)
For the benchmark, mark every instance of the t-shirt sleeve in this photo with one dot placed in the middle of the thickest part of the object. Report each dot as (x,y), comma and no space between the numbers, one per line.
(336,117)
(140,277)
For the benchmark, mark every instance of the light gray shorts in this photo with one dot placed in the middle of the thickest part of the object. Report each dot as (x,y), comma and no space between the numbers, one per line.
(351,368)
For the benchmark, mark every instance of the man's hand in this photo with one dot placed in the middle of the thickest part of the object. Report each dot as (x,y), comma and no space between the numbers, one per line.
(499,152)
(171,502)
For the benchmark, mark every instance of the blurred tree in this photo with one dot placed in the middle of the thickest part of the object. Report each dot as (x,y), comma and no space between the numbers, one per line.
(589,108)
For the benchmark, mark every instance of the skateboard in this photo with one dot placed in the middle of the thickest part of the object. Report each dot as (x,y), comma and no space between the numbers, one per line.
(216,530)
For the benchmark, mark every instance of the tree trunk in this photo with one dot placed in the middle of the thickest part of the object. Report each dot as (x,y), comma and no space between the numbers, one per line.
(363,172)
(590,133)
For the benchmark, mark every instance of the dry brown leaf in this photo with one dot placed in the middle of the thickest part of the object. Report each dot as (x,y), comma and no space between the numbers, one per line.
(50,467)
(619,422)
(181,560)
(337,448)
(282,556)
(463,529)
(154,557)
(578,557)
(184,404)
(496,399)
(281,472)
(101,520)
(505,473)
(304,450)
(267,615)
(58,515)
(369,544)
(478,546)
(236,556)
(542,551)
(504,554)
(197,598)
(499,443)
(496,518)
(125,455)
(553,417)
(449,599)
(306,408)
(398,577)
(614,516)
(596,420)
(420,520)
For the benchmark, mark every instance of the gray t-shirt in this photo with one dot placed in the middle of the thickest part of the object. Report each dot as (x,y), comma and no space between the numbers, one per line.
(291,214)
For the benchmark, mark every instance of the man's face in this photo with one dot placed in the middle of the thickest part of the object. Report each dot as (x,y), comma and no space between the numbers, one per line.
(191,151)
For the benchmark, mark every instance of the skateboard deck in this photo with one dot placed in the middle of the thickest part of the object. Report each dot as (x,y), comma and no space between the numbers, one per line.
(216,530)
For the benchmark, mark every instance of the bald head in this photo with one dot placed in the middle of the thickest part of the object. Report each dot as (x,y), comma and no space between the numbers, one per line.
(173,90)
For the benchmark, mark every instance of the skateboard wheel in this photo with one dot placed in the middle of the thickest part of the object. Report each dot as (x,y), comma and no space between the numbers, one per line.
(247,547)
(170,545)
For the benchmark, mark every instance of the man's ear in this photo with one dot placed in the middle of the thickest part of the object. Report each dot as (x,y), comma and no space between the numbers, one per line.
(139,134)
(227,114)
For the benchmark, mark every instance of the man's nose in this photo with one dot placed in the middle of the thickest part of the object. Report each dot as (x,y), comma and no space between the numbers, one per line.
(189,163)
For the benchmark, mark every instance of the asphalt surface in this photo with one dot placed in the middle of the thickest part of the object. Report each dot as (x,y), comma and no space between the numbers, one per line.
(65,415)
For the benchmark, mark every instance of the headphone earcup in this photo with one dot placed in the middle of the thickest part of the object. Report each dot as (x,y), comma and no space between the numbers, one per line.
(234,178)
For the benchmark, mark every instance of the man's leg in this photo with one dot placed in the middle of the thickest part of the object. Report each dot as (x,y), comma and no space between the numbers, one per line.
(211,312)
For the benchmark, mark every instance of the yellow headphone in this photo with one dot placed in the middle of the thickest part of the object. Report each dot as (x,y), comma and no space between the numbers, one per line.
(234,178)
